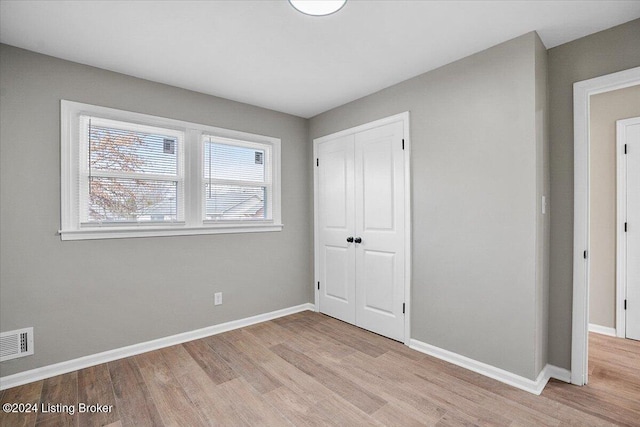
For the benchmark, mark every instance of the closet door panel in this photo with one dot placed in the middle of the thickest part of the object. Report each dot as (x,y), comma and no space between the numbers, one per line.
(336,217)
(379,223)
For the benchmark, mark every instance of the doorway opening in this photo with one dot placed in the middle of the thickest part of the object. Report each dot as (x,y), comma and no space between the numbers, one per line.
(583,181)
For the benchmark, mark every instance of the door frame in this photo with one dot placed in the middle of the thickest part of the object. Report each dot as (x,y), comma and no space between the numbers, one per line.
(401,117)
(621,218)
(582,92)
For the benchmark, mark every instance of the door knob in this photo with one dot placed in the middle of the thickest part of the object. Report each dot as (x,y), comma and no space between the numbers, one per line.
(358,240)
(350,239)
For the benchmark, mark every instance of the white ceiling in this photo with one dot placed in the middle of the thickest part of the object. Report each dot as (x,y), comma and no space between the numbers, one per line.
(266,53)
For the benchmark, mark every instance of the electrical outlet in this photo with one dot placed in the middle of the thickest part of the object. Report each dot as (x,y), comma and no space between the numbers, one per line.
(217,298)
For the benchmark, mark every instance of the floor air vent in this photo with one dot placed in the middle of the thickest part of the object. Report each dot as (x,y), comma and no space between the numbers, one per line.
(16,343)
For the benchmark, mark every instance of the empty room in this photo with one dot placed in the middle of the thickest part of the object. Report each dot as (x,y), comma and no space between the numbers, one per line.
(331,212)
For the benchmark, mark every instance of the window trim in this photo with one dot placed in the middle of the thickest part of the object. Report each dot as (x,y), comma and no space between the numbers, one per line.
(194,223)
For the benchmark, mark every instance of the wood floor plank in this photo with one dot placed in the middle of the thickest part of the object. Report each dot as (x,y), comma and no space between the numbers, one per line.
(501,391)
(231,336)
(134,402)
(605,378)
(298,410)
(454,401)
(298,381)
(620,362)
(440,394)
(210,362)
(270,333)
(350,391)
(172,402)
(593,403)
(354,341)
(392,415)
(320,343)
(59,393)
(301,316)
(375,339)
(95,388)
(321,347)
(541,405)
(28,393)
(254,349)
(344,413)
(255,375)
(358,368)
(216,408)
(59,420)
(394,384)
(480,396)
(284,372)
(307,388)
(254,407)
(453,418)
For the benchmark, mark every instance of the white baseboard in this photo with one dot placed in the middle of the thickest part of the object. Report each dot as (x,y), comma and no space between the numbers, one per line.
(119,353)
(603,330)
(558,373)
(498,374)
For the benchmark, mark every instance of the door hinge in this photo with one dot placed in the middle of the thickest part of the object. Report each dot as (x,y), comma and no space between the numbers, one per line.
(585,254)
(403,304)
(318,285)
(317,162)
(625,304)
(625,227)
(403,143)
(625,148)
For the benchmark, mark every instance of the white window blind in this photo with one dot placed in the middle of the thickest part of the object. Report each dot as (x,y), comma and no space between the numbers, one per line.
(131,173)
(237,180)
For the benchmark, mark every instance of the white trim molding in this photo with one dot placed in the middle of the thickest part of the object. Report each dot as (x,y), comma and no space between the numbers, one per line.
(621,220)
(558,373)
(119,353)
(582,92)
(490,371)
(602,330)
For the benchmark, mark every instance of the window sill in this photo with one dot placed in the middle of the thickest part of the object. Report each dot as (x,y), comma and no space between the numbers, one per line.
(161,231)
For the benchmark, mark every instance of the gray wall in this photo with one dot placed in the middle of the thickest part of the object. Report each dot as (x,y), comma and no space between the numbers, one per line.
(606,108)
(85,297)
(474,195)
(602,53)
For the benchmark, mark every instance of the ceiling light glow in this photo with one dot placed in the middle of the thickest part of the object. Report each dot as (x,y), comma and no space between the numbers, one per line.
(318,7)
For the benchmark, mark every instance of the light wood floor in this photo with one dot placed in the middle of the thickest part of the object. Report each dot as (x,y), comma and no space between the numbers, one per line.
(310,369)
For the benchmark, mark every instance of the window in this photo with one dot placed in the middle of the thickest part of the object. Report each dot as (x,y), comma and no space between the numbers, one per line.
(133,175)
(129,173)
(237,185)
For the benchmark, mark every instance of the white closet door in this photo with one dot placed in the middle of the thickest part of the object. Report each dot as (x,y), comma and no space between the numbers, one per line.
(336,219)
(633,232)
(379,213)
